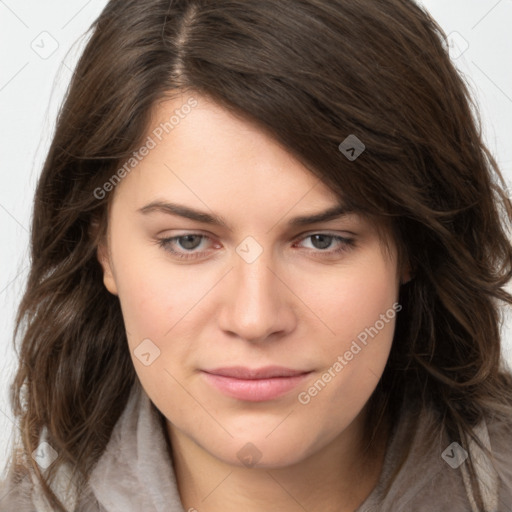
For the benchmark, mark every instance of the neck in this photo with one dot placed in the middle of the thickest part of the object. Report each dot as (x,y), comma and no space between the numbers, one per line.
(338,478)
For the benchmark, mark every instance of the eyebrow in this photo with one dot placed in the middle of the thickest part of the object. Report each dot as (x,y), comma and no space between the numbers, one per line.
(334,212)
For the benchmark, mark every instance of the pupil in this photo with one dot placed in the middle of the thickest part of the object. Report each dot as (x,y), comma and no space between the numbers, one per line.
(325,241)
(186,243)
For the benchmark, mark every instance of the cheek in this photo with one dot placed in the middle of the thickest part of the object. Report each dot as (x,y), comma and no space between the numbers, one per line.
(145,296)
(366,306)
(154,294)
(359,309)
(156,303)
(349,300)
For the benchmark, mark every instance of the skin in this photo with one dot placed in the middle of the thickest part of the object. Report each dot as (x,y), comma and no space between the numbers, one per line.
(298,304)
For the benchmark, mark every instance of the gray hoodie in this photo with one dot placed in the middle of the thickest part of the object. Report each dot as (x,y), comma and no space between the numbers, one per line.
(135,473)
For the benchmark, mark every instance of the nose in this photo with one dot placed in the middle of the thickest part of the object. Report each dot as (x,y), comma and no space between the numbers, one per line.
(257,305)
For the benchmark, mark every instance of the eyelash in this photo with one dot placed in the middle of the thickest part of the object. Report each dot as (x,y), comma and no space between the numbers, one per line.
(165,243)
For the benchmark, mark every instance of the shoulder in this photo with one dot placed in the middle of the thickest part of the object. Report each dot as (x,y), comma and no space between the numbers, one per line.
(424,469)
(16,494)
(19,494)
(499,438)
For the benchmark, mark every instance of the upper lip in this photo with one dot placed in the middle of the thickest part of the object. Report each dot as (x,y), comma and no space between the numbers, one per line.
(267,372)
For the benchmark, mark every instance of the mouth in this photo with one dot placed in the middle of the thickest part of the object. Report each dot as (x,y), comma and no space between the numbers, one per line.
(257,384)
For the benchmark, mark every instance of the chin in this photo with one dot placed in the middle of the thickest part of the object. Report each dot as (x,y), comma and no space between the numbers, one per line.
(259,452)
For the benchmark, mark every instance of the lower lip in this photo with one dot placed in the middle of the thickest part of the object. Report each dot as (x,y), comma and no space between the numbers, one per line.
(254,390)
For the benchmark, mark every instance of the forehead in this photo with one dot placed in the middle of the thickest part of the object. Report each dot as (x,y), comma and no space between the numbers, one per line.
(204,152)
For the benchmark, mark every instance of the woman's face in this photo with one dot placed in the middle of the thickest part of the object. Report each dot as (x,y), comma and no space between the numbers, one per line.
(258,333)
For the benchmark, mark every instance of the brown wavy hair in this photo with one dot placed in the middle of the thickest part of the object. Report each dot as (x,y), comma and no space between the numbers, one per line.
(310,72)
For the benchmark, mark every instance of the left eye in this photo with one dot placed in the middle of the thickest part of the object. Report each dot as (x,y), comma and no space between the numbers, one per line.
(323,240)
(187,243)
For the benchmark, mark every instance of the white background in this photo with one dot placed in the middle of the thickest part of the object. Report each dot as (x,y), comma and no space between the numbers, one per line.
(33,81)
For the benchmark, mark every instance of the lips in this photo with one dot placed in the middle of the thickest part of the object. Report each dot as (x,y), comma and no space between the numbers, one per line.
(254,384)
(268,372)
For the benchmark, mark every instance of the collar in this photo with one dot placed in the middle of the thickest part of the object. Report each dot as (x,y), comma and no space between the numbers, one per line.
(135,472)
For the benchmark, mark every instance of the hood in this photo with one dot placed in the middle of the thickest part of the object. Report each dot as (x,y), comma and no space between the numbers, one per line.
(135,473)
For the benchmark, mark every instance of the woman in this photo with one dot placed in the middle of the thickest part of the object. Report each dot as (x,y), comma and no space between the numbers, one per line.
(269,252)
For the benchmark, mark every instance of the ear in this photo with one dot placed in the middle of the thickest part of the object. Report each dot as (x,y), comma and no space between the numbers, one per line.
(407,274)
(103,254)
(105,260)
